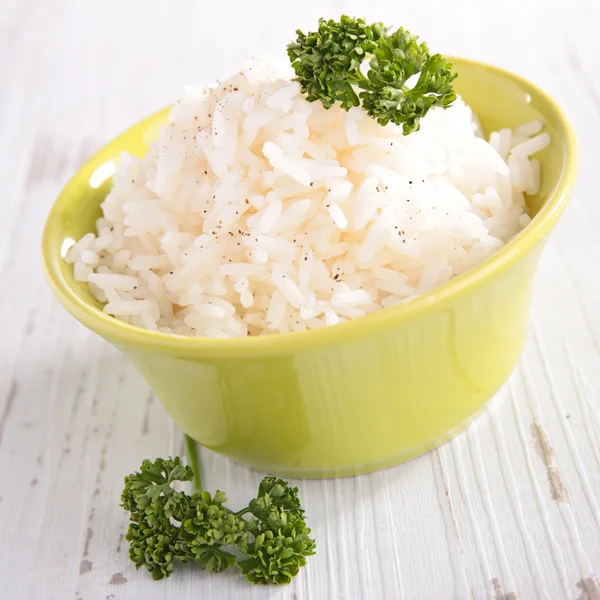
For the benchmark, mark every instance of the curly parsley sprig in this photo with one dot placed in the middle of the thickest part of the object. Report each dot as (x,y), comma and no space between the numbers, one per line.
(329,65)
(169,526)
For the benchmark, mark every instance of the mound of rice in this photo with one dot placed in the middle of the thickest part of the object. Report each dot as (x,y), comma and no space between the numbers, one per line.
(257,212)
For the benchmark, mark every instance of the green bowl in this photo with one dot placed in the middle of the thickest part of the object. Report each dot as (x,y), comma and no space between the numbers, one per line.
(354,397)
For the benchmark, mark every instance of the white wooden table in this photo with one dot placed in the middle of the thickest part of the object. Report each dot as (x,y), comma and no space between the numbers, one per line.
(510,509)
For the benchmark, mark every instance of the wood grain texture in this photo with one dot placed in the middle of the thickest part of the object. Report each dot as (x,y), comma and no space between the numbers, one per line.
(508,510)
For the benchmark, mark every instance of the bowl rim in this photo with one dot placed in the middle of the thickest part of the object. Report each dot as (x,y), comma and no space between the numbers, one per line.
(129,335)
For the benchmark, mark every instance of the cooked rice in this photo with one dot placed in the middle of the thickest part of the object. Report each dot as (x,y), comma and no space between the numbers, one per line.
(257,212)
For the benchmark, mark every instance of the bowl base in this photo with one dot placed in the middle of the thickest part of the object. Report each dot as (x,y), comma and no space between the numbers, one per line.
(353,470)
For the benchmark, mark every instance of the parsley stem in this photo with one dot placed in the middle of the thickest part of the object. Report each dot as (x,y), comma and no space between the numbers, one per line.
(192,456)
(242,512)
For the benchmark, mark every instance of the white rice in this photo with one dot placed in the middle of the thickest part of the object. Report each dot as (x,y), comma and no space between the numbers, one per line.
(257,212)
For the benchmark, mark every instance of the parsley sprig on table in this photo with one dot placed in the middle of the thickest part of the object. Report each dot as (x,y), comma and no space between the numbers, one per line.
(169,526)
(329,66)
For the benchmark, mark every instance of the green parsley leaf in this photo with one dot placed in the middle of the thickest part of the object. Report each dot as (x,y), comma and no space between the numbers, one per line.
(168,526)
(329,66)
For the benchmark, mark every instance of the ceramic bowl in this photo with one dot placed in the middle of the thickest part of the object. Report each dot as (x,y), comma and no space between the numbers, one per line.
(354,397)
